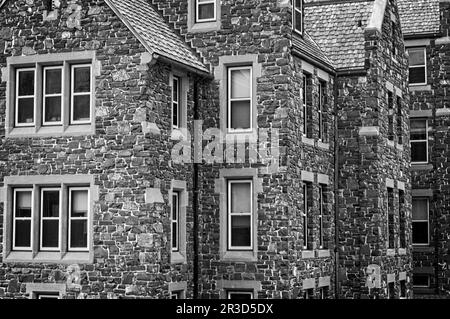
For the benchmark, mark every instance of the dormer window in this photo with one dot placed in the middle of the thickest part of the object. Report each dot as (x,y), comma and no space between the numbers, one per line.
(297,16)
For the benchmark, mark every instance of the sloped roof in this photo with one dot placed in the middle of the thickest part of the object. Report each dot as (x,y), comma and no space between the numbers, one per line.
(419,16)
(151,29)
(338,29)
(307,46)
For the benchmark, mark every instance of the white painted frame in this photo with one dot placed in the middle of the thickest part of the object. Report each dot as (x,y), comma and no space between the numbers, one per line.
(422,221)
(42,218)
(45,95)
(16,100)
(177,80)
(421,141)
(230,99)
(300,10)
(70,218)
(230,183)
(424,50)
(199,3)
(22,190)
(73,94)
(175,204)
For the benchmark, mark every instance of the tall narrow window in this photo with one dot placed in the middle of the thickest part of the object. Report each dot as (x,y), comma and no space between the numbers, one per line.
(307,106)
(25,88)
(206,10)
(420,221)
(419,141)
(81,94)
(22,219)
(175,220)
(307,205)
(52,102)
(399,121)
(322,205)
(78,218)
(321,110)
(417,66)
(390,99)
(402,289)
(324,291)
(240,217)
(50,218)
(308,293)
(391,290)
(297,20)
(402,215)
(240,99)
(391,218)
(176,102)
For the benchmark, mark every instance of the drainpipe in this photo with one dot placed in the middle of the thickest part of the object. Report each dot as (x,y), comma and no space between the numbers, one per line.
(195,192)
(336,187)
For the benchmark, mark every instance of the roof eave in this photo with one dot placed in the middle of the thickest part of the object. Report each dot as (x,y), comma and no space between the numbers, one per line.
(313,60)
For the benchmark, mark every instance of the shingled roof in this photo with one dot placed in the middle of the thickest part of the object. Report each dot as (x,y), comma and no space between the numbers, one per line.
(154,33)
(338,29)
(308,47)
(419,16)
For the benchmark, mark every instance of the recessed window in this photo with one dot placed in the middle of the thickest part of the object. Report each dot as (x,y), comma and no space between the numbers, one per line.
(324,292)
(308,293)
(176,88)
(50,218)
(239,294)
(322,205)
(402,214)
(175,220)
(78,218)
(81,94)
(402,289)
(52,99)
(417,66)
(421,280)
(391,218)
(307,206)
(178,294)
(240,219)
(391,290)
(307,105)
(297,20)
(22,224)
(206,10)
(390,100)
(419,141)
(420,221)
(240,99)
(399,120)
(321,110)
(25,97)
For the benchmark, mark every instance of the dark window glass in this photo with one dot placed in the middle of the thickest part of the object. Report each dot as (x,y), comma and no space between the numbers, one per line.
(82,79)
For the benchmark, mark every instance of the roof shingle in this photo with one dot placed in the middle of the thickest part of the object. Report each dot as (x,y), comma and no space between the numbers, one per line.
(307,45)
(152,29)
(419,16)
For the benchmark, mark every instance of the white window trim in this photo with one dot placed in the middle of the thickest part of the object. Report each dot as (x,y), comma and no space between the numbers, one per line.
(73,94)
(16,98)
(294,10)
(198,4)
(230,100)
(70,219)
(229,183)
(239,292)
(422,221)
(18,248)
(42,218)
(176,196)
(421,141)
(45,95)
(176,79)
(424,49)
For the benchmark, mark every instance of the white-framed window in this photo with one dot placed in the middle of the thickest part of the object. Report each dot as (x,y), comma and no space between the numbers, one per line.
(420,221)
(80,92)
(322,204)
(175,220)
(421,280)
(321,110)
(307,202)
(240,215)
(176,97)
(52,95)
(205,11)
(390,100)
(417,66)
(22,215)
(78,218)
(240,93)
(50,219)
(24,112)
(297,16)
(239,294)
(304,107)
(419,141)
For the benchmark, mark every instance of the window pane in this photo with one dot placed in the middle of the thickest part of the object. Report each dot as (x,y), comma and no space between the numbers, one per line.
(174,235)
(240,83)
(53,81)
(50,204)
(240,115)
(174,207)
(175,90)
(416,57)
(419,152)
(420,280)
(298,4)
(420,232)
(82,81)
(79,203)
(206,11)
(298,21)
(50,233)
(78,234)
(417,75)
(53,109)
(420,209)
(81,108)
(240,197)
(23,204)
(25,110)
(26,83)
(240,231)
(418,129)
(175,114)
(23,233)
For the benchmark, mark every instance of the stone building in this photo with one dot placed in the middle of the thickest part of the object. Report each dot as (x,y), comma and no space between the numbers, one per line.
(204,149)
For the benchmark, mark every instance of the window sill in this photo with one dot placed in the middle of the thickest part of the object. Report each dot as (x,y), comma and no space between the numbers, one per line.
(390,252)
(242,137)
(423,249)
(51,131)
(178,135)
(421,167)
(49,257)
(177,258)
(239,256)
(322,145)
(307,140)
(204,26)
(419,87)
(323,253)
(308,254)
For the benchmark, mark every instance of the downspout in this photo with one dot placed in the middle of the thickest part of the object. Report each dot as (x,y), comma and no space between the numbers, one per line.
(195,192)
(336,188)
